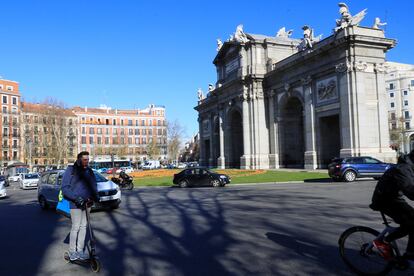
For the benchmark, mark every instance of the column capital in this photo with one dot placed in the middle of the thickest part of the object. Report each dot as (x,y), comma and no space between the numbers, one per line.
(343,67)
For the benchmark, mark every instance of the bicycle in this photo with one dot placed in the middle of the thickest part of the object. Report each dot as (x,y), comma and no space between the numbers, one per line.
(359,254)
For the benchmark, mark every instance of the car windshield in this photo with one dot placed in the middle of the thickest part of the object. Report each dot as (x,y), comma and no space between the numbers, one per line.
(99,177)
(31,176)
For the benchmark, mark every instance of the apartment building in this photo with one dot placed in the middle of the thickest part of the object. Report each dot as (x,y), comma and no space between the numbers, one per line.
(128,133)
(49,134)
(400,94)
(10,122)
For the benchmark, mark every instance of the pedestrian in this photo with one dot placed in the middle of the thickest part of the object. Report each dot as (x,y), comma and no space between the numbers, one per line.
(388,198)
(79,187)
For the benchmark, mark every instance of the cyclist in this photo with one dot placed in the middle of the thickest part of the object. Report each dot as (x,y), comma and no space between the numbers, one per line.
(388,198)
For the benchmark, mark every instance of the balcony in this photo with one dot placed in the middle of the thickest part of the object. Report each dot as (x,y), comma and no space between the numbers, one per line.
(5,134)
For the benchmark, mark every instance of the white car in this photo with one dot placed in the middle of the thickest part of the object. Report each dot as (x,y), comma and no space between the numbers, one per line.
(126,170)
(28,180)
(3,192)
(14,178)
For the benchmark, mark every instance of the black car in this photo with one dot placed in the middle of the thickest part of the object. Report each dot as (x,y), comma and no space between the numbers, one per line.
(200,177)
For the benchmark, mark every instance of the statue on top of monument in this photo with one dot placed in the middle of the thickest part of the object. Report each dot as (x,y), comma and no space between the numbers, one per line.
(283,33)
(200,94)
(347,19)
(378,23)
(210,87)
(239,35)
(308,38)
(219,44)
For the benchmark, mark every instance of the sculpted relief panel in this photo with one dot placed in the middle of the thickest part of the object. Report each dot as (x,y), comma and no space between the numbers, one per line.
(327,90)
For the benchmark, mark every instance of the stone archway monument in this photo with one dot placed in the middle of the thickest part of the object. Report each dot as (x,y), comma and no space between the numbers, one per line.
(302,101)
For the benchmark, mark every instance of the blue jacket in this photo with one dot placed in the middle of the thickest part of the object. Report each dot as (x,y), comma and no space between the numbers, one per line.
(79,182)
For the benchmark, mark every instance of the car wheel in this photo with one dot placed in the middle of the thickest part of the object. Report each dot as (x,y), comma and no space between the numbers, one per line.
(183,184)
(215,183)
(43,203)
(349,176)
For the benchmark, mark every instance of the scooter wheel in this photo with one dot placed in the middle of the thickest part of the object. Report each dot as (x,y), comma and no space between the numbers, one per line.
(95,265)
(66,257)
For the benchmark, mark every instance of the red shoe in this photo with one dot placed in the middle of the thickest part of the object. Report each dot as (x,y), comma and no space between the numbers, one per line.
(384,249)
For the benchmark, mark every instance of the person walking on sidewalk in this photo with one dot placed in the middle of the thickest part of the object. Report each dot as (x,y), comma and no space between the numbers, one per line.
(80,188)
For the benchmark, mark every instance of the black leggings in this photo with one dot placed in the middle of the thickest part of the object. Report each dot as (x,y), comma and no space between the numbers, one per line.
(403,214)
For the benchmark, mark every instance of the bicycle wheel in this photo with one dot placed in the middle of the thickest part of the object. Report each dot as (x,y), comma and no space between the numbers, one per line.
(354,247)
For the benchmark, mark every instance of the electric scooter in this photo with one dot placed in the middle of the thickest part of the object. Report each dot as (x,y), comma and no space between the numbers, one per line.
(93,260)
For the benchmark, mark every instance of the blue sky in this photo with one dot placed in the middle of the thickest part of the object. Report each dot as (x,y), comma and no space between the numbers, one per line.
(130,53)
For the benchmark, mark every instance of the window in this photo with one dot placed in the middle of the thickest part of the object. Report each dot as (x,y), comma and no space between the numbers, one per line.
(52,179)
(122,122)
(412,82)
(91,130)
(113,121)
(149,131)
(130,131)
(122,132)
(129,141)
(405,92)
(405,102)
(142,122)
(107,131)
(5,99)
(369,160)
(136,123)
(159,122)
(4,109)
(44,178)
(407,125)
(83,140)
(144,132)
(392,105)
(137,141)
(392,95)
(144,140)
(406,114)
(130,122)
(99,130)
(107,140)
(392,116)
(122,140)
(9,88)
(115,140)
(136,131)
(14,100)
(107,121)
(83,130)
(91,140)
(392,86)
(115,131)
(99,141)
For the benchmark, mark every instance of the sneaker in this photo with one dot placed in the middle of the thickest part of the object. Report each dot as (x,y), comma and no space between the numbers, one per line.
(73,256)
(83,255)
(384,249)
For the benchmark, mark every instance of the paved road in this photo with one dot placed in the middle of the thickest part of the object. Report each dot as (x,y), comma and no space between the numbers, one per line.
(275,229)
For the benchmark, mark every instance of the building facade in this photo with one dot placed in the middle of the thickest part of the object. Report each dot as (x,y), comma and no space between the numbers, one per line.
(10,122)
(400,95)
(127,133)
(283,102)
(49,134)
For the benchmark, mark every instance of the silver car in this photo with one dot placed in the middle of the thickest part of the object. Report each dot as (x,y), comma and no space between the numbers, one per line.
(28,180)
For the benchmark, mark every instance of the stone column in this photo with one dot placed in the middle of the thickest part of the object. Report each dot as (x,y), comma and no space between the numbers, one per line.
(221,161)
(274,150)
(310,150)
(245,159)
(211,159)
(202,149)
(262,136)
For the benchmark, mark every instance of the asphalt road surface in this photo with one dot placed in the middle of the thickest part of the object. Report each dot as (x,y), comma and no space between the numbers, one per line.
(270,229)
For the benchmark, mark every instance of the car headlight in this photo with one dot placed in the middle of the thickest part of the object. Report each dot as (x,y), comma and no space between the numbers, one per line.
(223,176)
(117,188)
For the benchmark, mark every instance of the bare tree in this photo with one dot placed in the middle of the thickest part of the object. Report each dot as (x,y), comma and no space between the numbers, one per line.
(175,133)
(59,130)
(153,149)
(398,136)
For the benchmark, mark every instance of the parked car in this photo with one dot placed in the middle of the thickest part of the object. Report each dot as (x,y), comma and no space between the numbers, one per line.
(350,168)
(200,177)
(125,169)
(181,166)
(192,165)
(151,165)
(14,178)
(110,170)
(3,192)
(102,170)
(50,184)
(28,180)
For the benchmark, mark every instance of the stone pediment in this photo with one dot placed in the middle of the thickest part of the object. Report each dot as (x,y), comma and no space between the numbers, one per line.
(228,48)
